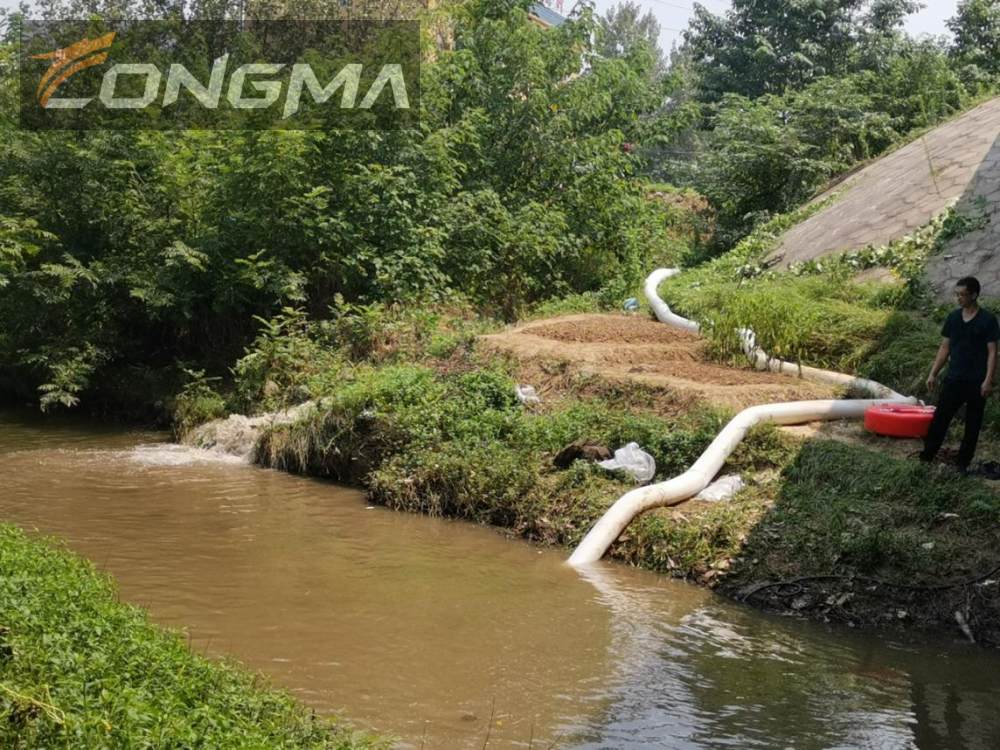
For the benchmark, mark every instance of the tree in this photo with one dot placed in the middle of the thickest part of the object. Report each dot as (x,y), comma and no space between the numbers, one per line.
(881,36)
(976,28)
(767,46)
(622,32)
(136,251)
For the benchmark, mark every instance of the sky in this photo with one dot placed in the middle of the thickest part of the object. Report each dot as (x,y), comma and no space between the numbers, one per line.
(674,14)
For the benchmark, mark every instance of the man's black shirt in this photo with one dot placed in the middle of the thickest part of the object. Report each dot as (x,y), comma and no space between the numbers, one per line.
(967,355)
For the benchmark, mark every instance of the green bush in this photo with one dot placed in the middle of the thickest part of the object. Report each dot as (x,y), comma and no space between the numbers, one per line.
(197,403)
(486,483)
(278,369)
(375,413)
(379,332)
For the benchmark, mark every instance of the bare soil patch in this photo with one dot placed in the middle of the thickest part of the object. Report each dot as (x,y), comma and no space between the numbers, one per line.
(639,350)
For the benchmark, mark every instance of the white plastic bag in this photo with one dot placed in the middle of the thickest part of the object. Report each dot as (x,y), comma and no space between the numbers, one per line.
(526,394)
(722,488)
(633,460)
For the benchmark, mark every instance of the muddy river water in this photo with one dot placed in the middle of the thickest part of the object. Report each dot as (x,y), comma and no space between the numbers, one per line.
(448,635)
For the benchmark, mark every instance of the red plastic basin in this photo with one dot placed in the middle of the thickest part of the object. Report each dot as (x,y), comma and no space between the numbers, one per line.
(899,420)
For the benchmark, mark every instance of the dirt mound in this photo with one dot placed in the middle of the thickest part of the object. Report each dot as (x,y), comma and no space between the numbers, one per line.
(610,329)
(637,349)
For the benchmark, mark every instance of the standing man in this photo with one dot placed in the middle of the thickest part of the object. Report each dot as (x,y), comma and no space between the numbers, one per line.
(970,344)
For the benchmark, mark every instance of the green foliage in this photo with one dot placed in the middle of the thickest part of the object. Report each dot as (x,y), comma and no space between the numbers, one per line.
(768,46)
(793,95)
(367,415)
(484,483)
(624,31)
(20,239)
(976,31)
(149,248)
(80,669)
(198,402)
(958,222)
(770,154)
(815,313)
(758,160)
(587,302)
(847,509)
(902,354)
(69,370)
(816,321)
(380,332)
(277,368)
(918,86)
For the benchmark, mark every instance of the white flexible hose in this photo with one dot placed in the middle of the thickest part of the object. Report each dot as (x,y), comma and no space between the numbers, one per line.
(758,357)
(695,479)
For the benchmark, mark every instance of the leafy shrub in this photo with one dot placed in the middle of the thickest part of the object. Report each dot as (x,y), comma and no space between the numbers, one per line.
(485,482)
(197,403)
(382,333)
(280,365)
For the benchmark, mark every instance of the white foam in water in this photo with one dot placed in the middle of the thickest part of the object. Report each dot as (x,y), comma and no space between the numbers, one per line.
(172,454)
(237,435)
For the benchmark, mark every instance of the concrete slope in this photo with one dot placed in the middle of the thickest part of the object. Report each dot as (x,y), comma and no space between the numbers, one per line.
(904,190)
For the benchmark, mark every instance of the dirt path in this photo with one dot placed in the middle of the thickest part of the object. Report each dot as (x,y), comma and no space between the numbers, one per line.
(636,349)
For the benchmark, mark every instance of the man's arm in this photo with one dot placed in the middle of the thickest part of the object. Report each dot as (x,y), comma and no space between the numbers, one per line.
(991,368)
(942,355)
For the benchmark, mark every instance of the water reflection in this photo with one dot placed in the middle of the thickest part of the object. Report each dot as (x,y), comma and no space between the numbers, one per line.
(427,628)
(727,676)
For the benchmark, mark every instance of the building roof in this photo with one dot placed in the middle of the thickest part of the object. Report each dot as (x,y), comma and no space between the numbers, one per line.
(546,16)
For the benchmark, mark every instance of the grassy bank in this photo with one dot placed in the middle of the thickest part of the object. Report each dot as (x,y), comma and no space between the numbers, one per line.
(408,406)
(79,669)
(855,536)
(438,429)
(835,531)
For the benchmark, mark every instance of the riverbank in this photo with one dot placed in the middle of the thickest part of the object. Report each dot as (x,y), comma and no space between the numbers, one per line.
(862,537)
(78,668)
(438,430)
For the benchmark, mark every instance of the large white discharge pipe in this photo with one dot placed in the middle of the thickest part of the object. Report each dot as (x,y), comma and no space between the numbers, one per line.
(695,479)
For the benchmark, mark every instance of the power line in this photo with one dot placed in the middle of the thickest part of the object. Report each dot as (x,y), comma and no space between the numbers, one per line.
(675,5)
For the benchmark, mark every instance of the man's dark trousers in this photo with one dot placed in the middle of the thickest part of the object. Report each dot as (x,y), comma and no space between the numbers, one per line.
(953,395)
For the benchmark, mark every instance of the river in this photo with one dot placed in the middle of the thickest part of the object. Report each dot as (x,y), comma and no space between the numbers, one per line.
(448,635)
